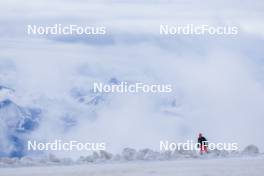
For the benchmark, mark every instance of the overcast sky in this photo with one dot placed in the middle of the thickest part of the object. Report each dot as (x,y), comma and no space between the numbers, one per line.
(218,80)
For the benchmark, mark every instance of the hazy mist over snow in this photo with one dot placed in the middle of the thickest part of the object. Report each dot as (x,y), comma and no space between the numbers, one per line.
(218,82)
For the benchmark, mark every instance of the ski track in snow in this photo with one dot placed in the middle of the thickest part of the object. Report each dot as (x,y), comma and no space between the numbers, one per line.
(194,167)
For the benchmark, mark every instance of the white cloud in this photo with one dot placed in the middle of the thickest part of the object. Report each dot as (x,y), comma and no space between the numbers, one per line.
(217,80)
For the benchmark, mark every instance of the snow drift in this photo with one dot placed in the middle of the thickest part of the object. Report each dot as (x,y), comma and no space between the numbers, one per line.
(127,155)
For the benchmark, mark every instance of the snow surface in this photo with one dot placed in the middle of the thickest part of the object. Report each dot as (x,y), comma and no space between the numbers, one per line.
(246,166)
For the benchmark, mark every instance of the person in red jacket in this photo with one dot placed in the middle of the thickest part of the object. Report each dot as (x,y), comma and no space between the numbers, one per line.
(203,144)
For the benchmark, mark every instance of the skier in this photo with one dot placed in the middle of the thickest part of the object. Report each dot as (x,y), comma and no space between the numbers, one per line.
(202,144)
